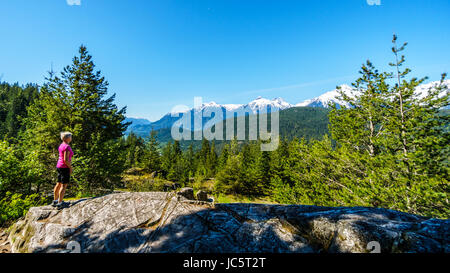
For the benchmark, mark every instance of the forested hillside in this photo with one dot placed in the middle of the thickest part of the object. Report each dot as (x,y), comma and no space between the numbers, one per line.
(298,122)
(13,102)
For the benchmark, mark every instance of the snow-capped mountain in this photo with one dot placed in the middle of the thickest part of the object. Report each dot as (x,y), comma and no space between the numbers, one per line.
(258,105)
(207,106)
(332,96)
(328,97)
(261,103)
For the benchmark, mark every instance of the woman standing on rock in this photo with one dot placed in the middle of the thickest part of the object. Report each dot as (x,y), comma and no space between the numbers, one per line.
(64,169)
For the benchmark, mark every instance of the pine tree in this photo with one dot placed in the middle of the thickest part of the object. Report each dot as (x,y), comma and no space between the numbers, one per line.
(152,158)
(278,160)
(431,135)
(177,170)
(262,171)
(14,100)
(75,101)
(229,177)
(362,124)
(402,94)
(190,161)
(134,146)
(223,156)
(416,125)
(167,159)
(247,174)
(211,160)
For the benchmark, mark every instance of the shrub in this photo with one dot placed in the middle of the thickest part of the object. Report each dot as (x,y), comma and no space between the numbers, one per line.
(14,206)
(20,170)
(155,184)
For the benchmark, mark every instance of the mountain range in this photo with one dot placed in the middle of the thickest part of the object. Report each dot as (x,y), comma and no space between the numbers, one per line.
(143,127)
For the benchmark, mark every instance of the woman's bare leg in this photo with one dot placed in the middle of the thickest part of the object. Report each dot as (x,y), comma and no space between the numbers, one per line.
(56,191)
(62,191)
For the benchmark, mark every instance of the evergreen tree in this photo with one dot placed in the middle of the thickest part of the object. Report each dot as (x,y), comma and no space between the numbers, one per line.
(278,160)
(229,177)
(75,101)
(152,158)
(190,161)
(135,149)
(167,159)
(417,127)
(362,124)
(14,100)
(247,171)
(211,160)
(262,173)
(222,160)
(430,133)
(177,170)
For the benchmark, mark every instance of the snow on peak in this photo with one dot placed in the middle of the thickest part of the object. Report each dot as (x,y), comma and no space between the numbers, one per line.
(328,97)
(211,104)
(262,103)
(281,103)
(324,100)
(214,105)
(231,107)
(256,105)
(332,96)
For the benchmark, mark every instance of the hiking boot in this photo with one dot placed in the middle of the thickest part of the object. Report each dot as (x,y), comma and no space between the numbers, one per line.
(61,205)
(54,203)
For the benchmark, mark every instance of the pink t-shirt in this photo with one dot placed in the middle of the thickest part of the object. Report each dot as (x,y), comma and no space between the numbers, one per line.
(63,147)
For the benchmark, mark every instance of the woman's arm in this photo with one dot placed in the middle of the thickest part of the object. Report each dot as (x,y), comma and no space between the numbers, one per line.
(66,160)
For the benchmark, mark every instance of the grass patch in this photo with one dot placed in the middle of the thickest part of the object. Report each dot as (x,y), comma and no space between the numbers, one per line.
(242,199)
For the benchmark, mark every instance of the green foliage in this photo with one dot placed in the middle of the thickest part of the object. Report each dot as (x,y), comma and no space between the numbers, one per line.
(317,174)
(14,206)
(135,150)
(20,171)
(151,157)
(244,170)
(303,122)
(75,101)
(99,169)
(10,169)
(147,185)
(14,100)
(362,125)
(229,178)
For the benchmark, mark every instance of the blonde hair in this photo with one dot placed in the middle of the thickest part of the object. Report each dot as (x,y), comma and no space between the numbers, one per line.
(65,135)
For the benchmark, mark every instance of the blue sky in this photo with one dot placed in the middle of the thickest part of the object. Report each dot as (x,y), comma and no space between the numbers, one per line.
(157,54)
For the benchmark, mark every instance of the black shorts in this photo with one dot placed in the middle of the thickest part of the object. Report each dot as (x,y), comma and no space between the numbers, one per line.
(63,175)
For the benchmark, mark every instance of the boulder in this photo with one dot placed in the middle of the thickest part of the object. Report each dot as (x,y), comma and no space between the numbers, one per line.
(187,193)
(202,196)
(163,222)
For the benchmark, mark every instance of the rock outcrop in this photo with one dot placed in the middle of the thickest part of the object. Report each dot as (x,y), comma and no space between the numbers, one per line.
(167,222)
(4,243)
